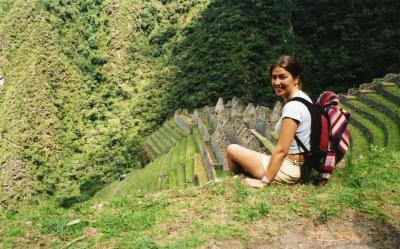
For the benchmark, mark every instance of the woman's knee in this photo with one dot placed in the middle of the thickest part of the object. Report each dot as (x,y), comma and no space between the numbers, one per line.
(232,148)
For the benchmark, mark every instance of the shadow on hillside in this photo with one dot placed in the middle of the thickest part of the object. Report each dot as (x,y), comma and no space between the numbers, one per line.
(87,190)
(226,51)
(224,54)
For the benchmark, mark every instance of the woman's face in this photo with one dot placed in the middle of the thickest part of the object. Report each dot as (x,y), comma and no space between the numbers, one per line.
(283,83)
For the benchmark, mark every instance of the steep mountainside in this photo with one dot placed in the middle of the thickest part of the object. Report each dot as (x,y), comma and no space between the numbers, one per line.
(86,81)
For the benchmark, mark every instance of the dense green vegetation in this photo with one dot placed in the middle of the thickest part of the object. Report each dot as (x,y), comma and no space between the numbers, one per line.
(366,190)
(88,80)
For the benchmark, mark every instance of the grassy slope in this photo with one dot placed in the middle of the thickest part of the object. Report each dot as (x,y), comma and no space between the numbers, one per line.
(392,127)
(377,132)
(360,142)
(214,213)
(394,90)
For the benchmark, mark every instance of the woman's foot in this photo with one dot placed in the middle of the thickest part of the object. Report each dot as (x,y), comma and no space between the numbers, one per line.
(255,183)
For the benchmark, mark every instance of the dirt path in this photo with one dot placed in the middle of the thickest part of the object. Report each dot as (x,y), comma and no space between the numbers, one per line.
(357,233)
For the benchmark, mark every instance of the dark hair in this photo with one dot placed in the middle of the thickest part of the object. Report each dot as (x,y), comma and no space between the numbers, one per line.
(290,64)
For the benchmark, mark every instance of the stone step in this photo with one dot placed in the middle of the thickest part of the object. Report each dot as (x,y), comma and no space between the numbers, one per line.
(165,138)
(214,162)
(172,133)
(180,166)
(150,153)
(395,90)
(346,96)
(168,136)
(184,122)
(172,175)
(370,114)
(189,160)
(160,140)
(203,128)
(374,133)
(269,146)
(200,174)
(382,104)
(175,129)
(366,91)
(390,92)
(163,176)
(155,146)
(206,155)
(387,83)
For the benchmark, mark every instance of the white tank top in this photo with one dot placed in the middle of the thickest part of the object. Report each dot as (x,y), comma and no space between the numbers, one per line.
(299,112)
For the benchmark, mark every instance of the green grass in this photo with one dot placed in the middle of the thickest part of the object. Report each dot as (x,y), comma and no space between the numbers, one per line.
(199,169)
(224,211)
(175,128)
(197,138)
(186,118)
(383,101)
(377,133)
(164,138)
(360,142)
(395,90)
(171,131)
(172,175)
(181,175)
(189,159)
(222,173)
(176,168)
(154,145)
(392,127)
(166,134)
(146,179)
(161,141)
(163,180)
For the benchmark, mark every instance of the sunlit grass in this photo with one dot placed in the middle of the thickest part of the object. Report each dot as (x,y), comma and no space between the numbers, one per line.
(189,218)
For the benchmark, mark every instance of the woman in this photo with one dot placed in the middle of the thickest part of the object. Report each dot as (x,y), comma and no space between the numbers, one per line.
(287,157)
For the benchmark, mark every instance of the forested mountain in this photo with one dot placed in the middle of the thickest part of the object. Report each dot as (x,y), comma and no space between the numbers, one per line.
(87,80)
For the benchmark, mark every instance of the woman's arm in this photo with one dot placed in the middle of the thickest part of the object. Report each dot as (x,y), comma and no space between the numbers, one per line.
(286,135)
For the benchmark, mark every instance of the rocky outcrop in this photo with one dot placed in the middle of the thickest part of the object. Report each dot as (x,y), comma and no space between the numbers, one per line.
(231,123)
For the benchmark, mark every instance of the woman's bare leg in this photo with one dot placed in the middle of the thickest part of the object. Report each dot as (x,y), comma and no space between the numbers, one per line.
(240,158)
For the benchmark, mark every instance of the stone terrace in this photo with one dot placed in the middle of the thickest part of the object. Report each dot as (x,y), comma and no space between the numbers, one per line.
(190,148)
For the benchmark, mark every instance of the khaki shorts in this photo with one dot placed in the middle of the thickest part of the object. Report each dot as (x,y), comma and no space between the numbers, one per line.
(289,171)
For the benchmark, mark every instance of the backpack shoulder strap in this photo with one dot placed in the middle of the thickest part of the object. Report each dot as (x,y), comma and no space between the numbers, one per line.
(302,100)
(299,142)
(308,105)
(315,113)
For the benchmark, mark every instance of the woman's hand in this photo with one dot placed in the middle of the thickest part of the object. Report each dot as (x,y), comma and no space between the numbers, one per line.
(255,183)
(286,135)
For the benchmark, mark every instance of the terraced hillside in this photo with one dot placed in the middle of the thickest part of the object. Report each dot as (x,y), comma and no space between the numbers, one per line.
(177,163)
(190,149)
(375,111)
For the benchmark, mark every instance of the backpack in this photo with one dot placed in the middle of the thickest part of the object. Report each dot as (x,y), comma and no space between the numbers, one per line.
(330,136)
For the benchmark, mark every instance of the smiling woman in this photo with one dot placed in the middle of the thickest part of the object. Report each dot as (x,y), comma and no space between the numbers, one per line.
(283,165)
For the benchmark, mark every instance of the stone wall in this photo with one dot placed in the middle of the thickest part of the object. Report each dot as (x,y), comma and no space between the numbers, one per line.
(230,123)
(183,120)
(390,96)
